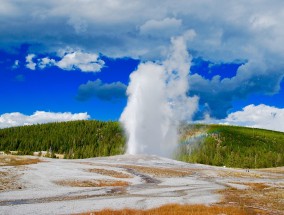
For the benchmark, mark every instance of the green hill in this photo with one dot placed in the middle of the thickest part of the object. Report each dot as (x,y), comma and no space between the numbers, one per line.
(231,146)
(218,145)
(76,139)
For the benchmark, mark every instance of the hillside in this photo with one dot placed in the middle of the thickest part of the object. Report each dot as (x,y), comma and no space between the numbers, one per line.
(231,146)
(218,145)
(76,139)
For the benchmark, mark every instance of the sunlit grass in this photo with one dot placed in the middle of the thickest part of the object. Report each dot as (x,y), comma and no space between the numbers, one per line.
(92,183)
(111,173)
(12,160)
(159,172)
(175,209)
(259,197)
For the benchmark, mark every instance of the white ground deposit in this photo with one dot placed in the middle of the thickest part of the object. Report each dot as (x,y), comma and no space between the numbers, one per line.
(152,182)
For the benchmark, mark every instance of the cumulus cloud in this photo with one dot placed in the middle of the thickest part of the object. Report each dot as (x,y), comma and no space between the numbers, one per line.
(233,30)
(44,62)
(251,31)
(228,31)
(103,91)
(70,60)
(260,22)
(255,116)
(79,25)
(86,62)
(39,117)
(7,8)
(260,116)
(217,94)
(160,28)
(29,60)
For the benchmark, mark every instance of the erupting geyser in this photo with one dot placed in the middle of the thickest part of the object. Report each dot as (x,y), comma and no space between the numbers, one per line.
(157,102)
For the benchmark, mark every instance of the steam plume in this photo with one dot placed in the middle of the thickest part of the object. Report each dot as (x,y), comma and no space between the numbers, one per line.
(157,103)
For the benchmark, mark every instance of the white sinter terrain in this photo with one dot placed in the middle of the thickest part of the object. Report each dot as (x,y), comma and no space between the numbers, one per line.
(57,186)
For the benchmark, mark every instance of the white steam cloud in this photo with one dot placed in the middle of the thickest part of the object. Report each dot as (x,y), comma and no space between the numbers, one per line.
(157,103)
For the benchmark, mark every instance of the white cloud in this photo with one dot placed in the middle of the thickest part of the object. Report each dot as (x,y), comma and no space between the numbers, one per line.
(7,8)
(252,31)
(255,116)
(260,116)
(260,22)
(252,77)
(224,31)
(86,62)
(44,62)
(114,27)
(39,117)
(70,60)
(160,28)
(78,24)
(29,60)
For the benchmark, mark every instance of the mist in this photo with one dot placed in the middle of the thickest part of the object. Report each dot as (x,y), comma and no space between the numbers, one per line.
(157,102)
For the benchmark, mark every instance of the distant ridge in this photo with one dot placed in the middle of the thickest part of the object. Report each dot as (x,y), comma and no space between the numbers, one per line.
(220,145)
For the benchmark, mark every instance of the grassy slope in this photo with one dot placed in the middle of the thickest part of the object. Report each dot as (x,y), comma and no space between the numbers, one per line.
(76,139)
(208,144)
(232,146)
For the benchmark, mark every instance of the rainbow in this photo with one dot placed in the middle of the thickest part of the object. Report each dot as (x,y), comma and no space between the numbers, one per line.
(192,136)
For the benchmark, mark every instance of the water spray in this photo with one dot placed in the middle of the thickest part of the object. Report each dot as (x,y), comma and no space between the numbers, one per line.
(158,102)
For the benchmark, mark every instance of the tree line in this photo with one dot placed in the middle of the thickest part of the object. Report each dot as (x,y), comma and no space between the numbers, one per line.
(76,139)
(219,145)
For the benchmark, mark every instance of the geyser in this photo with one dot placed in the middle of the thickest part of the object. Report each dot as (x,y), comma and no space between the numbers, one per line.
(157,103)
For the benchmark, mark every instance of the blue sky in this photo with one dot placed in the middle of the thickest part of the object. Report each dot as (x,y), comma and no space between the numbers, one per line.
(75,57)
